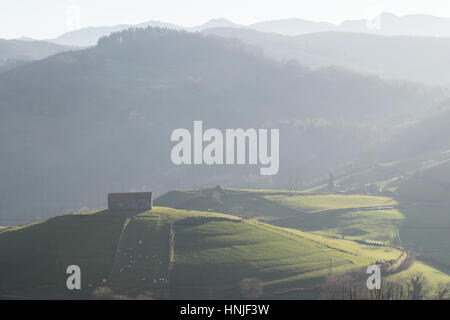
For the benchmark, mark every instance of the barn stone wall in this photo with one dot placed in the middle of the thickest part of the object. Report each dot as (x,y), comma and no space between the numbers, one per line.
(127,201)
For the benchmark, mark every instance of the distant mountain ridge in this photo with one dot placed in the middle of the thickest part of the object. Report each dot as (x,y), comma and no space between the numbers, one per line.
(399,57)
(293,26)
(18,51)
(29,49)
(387,24)
(89,36)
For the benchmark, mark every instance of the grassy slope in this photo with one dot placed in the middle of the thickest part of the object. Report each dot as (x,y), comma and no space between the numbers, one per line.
(213,252)
(421,185)
(425,201)
(385,175)
(34,258)
(428,185)
(212,255)
(427,230)
(424,227)
(209,254)
(434,276)
(236,202)
(315,203)
(177,253)
(379,225)
(300,210)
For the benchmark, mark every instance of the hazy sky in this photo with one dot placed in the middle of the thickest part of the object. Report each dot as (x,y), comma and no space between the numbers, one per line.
(42,19)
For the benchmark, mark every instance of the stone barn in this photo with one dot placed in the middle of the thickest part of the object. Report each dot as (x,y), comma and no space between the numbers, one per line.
(130,200)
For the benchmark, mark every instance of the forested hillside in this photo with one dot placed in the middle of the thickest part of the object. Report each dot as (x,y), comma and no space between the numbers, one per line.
(83,123)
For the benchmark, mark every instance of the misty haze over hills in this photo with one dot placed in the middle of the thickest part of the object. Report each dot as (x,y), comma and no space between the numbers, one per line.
(16,52)
(397,57)
(137,85)
(420,59)
(98,123)
(384,46)
(101,121)
(89,36)
(386,24)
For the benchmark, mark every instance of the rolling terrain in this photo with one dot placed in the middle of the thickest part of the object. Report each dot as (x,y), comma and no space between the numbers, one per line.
(364,161)
(419,185)
(339,215)
(210,243)
(102,119)
(172,254)
(368,219)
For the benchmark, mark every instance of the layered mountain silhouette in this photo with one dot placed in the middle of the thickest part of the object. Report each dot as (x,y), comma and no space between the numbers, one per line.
(420,59)
(387,24)
(80,124)
(16,52)
(89,36)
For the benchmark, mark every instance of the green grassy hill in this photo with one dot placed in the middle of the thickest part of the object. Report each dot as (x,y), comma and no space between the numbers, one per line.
(335,216)
(386,176)
(173,254)
(340,215)
(423,198)
(34,258)
(420,186)
(284,243)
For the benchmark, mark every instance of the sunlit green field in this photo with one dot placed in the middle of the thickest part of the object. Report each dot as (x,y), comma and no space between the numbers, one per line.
(315,203)
(434,276)
(214,252)
(197,254)
(379,225)
(289,242)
